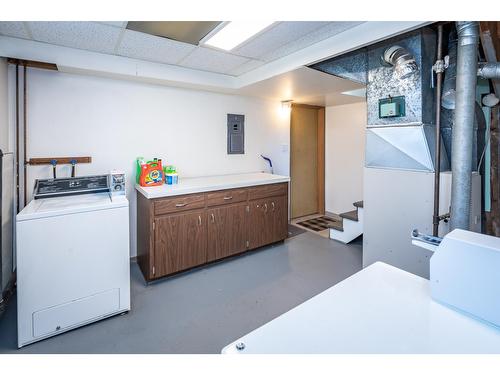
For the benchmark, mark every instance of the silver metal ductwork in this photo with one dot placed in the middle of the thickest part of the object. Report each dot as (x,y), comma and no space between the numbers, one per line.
(462,138)
(489,70)
(449,89)
(401,59)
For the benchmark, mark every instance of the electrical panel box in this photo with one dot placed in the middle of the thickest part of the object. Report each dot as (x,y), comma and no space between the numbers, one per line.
(235,134)
(391,107)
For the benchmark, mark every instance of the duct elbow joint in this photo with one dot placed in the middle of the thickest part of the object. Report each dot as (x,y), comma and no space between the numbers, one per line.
(401,59)
(489,70)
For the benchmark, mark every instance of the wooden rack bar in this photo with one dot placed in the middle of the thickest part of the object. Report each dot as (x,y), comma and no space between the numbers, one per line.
(60,160)
(32,64)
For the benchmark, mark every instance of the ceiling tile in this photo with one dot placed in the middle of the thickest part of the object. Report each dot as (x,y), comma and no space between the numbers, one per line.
(15,29)
(327,31)
(279,35)
(246,67)
(91,36)
(153,48)
(212,60)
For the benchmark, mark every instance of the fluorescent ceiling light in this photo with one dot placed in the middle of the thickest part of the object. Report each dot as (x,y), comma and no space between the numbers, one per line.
(234,33)
(357,92)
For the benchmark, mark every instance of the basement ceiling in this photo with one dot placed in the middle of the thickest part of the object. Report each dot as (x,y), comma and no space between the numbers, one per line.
(114,38)
(306,86)
(182,31)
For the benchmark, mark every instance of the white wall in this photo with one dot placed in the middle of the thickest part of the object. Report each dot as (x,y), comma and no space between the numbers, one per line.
(115,121)
(345,154)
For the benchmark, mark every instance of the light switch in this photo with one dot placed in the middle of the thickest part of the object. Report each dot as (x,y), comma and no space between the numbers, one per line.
(284,147)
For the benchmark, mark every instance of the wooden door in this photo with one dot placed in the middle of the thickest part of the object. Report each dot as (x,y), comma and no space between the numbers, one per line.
(180,242)
(258,226)
(278,218)
(227,231)
(304,161)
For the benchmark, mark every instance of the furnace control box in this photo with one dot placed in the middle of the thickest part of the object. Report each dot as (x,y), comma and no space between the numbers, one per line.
(391,107)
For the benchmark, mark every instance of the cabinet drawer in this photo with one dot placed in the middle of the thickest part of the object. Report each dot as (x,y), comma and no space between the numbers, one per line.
(217,198)
(180,203)
(264,191)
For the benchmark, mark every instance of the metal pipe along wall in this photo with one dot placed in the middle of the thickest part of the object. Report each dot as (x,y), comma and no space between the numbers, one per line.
(468,39)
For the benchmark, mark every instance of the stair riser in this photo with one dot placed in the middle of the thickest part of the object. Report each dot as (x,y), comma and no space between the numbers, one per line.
(352,229)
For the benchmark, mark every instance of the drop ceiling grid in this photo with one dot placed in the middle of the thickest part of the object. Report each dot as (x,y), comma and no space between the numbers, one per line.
(212,60)
(327,31)
(280,39)
(15,29)
(91,36)
(246,67)
(282,34)
(153,48)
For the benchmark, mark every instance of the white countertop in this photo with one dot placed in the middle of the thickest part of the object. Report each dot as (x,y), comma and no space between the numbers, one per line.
(190,185)
(380,309)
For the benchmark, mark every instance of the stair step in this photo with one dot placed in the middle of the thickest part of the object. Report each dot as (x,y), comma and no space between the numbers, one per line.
(358,204)
(351,215)
(337,225)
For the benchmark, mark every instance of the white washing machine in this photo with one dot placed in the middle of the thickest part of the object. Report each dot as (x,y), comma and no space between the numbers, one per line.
(73,259)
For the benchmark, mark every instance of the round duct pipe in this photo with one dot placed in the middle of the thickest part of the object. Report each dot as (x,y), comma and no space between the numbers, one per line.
(489,70)
(401,59)
(450,75)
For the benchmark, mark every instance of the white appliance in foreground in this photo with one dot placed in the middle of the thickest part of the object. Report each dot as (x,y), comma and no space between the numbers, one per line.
(72,261)
(464,272)
(381,309)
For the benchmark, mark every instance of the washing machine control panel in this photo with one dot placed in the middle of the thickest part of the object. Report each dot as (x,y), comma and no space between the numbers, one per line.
(60,187)
(117,183)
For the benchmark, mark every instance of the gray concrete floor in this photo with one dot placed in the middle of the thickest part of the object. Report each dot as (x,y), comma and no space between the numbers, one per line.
(203,310)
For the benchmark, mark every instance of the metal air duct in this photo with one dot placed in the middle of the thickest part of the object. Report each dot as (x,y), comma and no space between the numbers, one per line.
(401,59)
(462,139)
(489,70)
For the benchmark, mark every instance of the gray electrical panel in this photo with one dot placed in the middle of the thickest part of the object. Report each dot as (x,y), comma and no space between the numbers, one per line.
(235,134)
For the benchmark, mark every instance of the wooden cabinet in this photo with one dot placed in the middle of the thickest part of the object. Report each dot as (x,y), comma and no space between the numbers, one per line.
(268,221)
(258,225)
(227,231)
(278,213)
(179,242)
(178,233)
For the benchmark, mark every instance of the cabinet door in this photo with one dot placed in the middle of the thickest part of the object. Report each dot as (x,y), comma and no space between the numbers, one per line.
(278,210)
(258,223)
(227,231)
(180,242)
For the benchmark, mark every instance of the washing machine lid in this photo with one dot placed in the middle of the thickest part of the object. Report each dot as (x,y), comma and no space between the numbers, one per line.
(49,207)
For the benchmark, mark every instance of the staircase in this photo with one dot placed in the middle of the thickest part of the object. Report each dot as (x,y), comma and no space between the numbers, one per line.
(351,225)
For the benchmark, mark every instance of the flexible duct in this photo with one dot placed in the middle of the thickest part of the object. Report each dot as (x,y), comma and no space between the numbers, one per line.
(489,70)
(449,90)
(462,139)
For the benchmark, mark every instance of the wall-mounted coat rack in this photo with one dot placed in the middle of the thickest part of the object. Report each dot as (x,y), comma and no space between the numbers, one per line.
(55,161)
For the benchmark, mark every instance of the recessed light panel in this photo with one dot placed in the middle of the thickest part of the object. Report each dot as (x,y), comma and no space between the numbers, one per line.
(233,33)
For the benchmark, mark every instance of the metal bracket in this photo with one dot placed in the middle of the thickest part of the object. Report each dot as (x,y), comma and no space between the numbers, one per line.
(441,65)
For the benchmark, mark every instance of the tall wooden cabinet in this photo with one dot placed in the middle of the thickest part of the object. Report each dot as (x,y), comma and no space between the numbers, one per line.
(181,232)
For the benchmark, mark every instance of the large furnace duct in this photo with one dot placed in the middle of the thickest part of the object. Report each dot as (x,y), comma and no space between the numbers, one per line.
(468,40)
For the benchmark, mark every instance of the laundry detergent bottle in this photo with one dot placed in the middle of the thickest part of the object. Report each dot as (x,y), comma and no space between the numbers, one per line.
(151,173)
